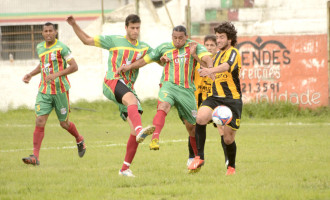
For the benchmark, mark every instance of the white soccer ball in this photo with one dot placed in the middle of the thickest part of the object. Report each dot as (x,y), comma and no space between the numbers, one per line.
(222,115)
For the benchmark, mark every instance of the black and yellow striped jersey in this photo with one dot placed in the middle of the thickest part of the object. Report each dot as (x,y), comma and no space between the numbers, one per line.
(227,84)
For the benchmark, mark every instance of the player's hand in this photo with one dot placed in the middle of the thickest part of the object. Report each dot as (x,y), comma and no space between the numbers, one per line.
(71,20)
(27,78)
(50,77)
(124,68)
(165,59)
(205,72)
(192,46)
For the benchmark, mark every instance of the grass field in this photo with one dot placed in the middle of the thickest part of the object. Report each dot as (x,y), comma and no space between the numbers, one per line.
(282,158)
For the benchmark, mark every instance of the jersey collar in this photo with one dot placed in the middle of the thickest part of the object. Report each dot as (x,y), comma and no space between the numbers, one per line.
(51,45)
(137,41)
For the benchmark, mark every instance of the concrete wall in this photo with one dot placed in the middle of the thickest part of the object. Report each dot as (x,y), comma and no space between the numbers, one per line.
(269,18)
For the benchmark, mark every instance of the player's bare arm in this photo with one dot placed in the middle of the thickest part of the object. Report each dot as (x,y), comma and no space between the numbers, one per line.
(86,39)
(219,69)
(164,59)
(134,65)
(193,47)
(73,67)
(27,77)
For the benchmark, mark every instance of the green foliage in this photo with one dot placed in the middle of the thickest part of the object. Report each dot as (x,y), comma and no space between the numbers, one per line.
(266,110)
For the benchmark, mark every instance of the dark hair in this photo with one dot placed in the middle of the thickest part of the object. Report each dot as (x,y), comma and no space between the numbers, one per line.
(132,18)
(180,28)
(210,37)
(49,24)
(229,29)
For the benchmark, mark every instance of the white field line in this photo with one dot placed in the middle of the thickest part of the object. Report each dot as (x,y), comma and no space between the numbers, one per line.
(93,146)
(243,124)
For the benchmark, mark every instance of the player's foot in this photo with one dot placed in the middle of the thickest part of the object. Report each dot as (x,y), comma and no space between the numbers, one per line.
(81,148)
(154,145)
(126,172)
(230,171)
(189,161)
(144,133)
(192,171)
(196,163)
(32,160)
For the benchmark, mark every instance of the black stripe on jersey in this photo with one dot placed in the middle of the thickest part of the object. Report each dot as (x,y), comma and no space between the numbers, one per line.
(214,89)
(226,90)
(235,75)
(232,58)
(215,60)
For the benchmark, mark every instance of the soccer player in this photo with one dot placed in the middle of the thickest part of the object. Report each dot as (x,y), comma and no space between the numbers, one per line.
(177,86)
(119,87)
(203,90)
(56,62)
(225,91)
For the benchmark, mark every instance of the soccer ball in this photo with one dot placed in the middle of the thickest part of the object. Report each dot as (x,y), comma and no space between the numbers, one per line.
(222,115)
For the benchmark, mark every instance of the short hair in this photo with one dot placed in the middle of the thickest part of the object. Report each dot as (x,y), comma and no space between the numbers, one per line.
(132,18)
(213,38)
(180,28)
(49,24)
(229,29)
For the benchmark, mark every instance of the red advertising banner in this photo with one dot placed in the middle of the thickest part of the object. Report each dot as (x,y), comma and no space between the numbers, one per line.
(285,68)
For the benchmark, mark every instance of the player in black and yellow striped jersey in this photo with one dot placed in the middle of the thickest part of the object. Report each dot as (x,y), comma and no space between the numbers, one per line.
(204,89)
(225,91)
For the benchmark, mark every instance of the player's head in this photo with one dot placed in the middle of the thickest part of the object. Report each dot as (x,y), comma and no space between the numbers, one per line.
(132,26)
(210,42)
(226,35)
(179,36)
(49,32)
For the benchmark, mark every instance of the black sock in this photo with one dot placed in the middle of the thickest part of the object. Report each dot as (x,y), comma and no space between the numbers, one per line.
(200,139)
(224,148)
(191,151)
(231,151)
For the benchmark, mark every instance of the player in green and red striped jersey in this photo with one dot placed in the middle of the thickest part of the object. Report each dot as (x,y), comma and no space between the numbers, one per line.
(177,85)
(123,50)
(56,62)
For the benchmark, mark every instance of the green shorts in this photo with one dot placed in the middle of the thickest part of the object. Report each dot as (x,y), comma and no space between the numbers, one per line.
(46,102)
(182,98)
(109,92)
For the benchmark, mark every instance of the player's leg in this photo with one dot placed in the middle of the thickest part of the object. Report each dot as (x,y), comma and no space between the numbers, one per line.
(159,121)
(62,108)
(43,107)
(131,148)
(191,141)
(204,115)
(229,140)
(221,133)
(230,132)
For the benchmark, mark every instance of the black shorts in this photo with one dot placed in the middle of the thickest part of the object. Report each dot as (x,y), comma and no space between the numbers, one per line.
(235,106)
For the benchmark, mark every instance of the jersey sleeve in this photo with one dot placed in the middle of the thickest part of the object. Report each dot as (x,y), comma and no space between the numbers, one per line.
(66,53)
(104,41)
(201,51)
(153,55)
(231,59)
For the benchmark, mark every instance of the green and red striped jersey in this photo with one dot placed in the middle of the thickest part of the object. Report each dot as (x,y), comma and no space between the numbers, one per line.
(122,52)
(180,70)
(53,59)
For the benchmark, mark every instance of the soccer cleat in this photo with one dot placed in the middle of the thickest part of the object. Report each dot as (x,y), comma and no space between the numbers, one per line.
(32,160)
(81,148)
(230,171)
(144,133)
(189,161)
(196,163)
(154,145)
(126,172)
(192,171)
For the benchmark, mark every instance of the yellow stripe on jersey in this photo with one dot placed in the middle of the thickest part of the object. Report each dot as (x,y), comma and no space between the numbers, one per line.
(128,48)
(51,50)
(147,59)
(204,54)
(97,42)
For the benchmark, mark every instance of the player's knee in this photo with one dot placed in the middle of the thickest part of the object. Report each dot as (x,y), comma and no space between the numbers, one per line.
(40,122)
(201,120)
(65,125)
